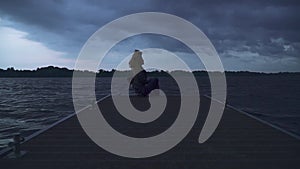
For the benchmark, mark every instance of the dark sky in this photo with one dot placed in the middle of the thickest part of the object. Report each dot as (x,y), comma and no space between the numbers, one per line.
(248,35)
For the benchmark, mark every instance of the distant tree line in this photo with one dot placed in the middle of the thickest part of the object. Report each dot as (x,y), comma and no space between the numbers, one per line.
(49,71)
(52,71)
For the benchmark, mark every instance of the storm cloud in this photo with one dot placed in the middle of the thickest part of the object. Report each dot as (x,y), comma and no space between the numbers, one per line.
(248,35)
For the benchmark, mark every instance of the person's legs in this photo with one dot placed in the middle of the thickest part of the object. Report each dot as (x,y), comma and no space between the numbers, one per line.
(151,85)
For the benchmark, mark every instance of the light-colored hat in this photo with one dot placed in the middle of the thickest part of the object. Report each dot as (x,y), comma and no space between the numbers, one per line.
(136,59)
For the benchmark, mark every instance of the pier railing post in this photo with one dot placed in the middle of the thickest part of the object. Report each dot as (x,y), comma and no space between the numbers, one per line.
(16,144)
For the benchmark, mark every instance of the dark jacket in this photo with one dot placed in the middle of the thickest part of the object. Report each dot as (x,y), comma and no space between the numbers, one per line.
(139,81)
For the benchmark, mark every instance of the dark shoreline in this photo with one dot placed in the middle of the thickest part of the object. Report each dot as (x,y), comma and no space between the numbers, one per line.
(52,71)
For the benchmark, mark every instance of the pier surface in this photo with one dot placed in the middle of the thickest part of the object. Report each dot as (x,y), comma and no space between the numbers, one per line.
(239,142)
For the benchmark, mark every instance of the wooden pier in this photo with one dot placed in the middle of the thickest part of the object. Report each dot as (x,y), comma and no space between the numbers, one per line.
(240,141)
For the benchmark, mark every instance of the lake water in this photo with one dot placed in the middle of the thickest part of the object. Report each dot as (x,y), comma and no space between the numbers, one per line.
(30,104)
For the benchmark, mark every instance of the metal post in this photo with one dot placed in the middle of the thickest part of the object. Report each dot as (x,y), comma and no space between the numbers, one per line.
(16,144)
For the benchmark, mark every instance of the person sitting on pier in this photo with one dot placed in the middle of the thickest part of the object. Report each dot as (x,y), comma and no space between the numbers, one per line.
(140,83)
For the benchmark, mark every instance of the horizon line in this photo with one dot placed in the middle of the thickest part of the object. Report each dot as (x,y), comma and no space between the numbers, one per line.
(111,70)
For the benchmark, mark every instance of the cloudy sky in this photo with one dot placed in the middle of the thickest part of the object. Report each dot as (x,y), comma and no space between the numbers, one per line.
(248,35)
